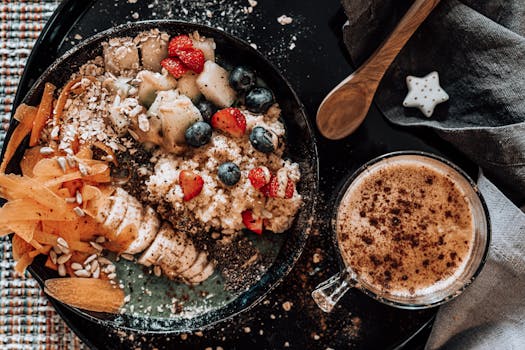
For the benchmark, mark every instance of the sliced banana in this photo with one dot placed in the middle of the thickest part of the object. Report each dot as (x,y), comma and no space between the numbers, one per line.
(147,231)
(155,251)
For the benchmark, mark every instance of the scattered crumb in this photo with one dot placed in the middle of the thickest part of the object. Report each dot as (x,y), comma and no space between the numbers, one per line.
(183,336)
(284,20)
(287,306)
(135,15)
(247,329)
(252,3)
(286,344)
(132,1)
(77,37)
(199,334)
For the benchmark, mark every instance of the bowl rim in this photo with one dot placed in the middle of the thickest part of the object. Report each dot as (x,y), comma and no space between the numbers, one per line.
(247,299)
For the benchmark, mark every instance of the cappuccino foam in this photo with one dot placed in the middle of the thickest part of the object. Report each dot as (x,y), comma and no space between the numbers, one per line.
(405,227)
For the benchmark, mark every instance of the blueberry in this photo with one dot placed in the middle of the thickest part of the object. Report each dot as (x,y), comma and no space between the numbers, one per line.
(242,78)
(198,134)
(207,109)
(229,173)
(263,140)
(259,99)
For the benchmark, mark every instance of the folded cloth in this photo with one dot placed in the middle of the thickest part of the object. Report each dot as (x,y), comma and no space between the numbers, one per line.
(478,48)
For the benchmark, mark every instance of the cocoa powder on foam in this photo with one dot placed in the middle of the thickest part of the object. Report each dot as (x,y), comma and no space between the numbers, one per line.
(404,228)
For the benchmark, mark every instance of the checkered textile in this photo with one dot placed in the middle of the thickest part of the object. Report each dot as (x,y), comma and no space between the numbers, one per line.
(27,320)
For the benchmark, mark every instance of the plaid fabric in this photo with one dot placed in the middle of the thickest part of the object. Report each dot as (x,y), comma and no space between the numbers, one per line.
(27,320)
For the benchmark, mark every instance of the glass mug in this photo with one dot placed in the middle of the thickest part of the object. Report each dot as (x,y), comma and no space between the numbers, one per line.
(328,293)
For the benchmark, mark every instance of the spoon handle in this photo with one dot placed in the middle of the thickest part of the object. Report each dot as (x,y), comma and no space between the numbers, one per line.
(382,58)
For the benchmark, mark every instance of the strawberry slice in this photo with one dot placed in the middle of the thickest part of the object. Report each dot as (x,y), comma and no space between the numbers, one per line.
(281,186)
(180,42)
(259,176)
(230,120)
(290,189)
(174,66)
(192,58)
(252,224)
(191,184)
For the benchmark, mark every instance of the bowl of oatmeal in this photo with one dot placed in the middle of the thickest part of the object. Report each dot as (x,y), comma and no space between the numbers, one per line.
(207,174)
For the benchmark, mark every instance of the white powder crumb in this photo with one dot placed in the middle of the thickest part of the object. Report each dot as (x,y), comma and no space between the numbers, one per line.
(287,306)
(209,14)
(284,20)
(292,46)
(247,329)
(254,46)
(316,337)
(135,15)
(77,37)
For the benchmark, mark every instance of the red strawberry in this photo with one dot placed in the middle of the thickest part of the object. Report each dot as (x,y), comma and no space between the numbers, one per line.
(180,42)
(252,224)
(290,188)
(174,66)
(281,186)
(191,184)
(265,190)
(259,176)
(230,120)
(192,58)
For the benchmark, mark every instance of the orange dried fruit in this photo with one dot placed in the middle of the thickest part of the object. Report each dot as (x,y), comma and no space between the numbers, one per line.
(86,293)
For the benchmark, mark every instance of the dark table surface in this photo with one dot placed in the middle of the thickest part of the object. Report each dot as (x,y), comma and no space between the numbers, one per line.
(310,53)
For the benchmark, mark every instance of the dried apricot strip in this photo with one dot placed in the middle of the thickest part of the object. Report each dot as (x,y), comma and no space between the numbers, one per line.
(86,293)
(43,114)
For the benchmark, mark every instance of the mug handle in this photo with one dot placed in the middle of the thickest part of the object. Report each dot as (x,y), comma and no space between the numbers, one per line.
(327,294)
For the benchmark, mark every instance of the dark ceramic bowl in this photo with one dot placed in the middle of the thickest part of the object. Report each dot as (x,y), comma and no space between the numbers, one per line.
(283,249)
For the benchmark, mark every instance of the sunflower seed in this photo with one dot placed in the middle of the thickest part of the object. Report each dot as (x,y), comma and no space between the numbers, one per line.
(62,242)
(128,257)
(110,268)
(57,250)
(90,258)
(63,258)
(63,250)
(104,261)
(82,273)
(78,197)
(79,211)
(157,271)
(71,200)
(53,256)
(94,266)
(76,266)
(112,276)
(61,270)
(54,132)
(46,150)
(100,239)
(96,246)
(69,151)
(87,267)
(96,273)
(71,161)
(84,170)
(62,163)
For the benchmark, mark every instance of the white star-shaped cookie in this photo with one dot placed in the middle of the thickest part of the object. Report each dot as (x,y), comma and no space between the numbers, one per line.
(425,93)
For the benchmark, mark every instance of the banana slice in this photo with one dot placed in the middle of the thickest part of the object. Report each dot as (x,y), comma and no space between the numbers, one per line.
(174,250)
(133,215)
(154,252)
(117,212)
(147,231)
(196,268)
(204,275)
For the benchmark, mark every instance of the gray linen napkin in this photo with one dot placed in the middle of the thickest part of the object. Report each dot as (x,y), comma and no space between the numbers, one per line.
(478,48)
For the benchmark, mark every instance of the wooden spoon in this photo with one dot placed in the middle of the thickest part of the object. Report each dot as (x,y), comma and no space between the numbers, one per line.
(347,105)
